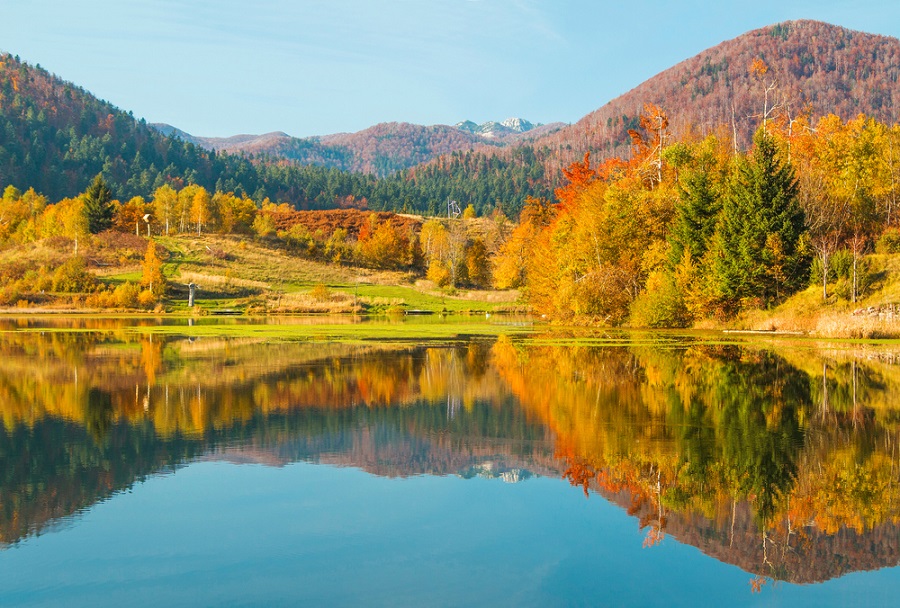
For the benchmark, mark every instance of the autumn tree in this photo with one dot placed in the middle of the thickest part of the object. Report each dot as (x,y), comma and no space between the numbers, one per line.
(164,201)
(130,215)
(383,245)
(511,262)
(200,208)
(152,276)
(477,267)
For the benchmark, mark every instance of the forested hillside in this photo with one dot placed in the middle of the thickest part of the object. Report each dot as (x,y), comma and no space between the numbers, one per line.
(813,67)
(55,137)
(380,150)
(803,69)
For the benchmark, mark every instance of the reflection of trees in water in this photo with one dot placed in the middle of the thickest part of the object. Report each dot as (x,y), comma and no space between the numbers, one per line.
(774,462)
(726,439)
(133,408)
(98,415)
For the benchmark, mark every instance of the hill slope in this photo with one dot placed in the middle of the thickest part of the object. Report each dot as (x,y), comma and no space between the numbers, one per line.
(827,68)
(55,137)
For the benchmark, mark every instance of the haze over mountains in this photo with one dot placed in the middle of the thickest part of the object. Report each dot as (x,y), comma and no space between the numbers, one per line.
(56,137)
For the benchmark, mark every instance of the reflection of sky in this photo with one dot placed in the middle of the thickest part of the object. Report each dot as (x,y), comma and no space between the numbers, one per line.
(221,534)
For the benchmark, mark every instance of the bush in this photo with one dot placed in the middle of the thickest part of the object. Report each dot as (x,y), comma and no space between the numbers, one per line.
(73,277)
(661,305)
(320,293)
(9,295)
(146,299)
(889,242)
(126,295)
(264,225)
(101,299)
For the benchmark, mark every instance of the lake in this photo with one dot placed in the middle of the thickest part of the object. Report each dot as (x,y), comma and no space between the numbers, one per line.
(445,463)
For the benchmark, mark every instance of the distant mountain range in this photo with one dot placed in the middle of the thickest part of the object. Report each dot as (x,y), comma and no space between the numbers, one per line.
(379,150)
(56,137)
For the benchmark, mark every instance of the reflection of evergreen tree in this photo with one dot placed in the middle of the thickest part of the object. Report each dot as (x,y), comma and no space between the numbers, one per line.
(98,414)
(761,434)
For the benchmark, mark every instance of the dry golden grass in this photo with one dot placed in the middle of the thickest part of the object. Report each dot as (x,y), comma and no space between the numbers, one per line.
(508,296)
(253,263)
(807,312)
(307,302)
(217,280)
(857,326)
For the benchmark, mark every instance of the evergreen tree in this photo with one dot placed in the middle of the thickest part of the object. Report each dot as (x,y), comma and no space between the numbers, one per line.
(695,218)
(760,229)
(97,205)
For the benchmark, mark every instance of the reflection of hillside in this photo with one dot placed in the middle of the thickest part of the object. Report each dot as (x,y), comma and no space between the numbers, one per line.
(681,436)
(785,465)
(103,413)
(805,555)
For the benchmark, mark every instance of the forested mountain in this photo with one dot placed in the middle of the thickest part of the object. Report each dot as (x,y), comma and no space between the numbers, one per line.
(811,67)
(380,150)
(55,137)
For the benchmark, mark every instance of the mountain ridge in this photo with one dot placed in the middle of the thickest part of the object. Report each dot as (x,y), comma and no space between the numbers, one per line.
(823,67)
(55,136)
(380,150)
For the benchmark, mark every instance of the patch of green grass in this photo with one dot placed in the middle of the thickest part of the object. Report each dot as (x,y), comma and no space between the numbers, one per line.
(116,279)
(399,330)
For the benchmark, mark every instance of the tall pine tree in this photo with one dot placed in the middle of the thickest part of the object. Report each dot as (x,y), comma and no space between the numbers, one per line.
(98,205)
(695,218)
(760,258)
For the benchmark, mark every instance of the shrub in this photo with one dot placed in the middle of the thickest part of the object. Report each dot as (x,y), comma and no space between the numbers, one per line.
(661,305)
(9,295)
(101,299)
(126,295)
(146,299)
(264,225)
(73,277)
(320,293)
(889,242)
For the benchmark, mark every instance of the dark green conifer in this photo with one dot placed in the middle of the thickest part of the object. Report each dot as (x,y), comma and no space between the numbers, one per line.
(759,231)
(695,218)
(97,205)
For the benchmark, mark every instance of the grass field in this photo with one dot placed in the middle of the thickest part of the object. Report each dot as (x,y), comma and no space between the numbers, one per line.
(247,275)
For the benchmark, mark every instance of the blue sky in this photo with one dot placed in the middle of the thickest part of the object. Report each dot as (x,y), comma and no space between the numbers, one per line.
(312,67)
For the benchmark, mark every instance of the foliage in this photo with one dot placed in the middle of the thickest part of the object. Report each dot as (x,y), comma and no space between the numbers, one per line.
(760,255)
(152,276)
(98,209)
(73,277)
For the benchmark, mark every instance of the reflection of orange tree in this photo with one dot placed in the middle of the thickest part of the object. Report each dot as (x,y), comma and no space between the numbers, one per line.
(705,430)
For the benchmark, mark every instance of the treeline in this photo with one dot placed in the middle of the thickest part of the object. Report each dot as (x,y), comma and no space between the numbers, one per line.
(694,228)
(488,182)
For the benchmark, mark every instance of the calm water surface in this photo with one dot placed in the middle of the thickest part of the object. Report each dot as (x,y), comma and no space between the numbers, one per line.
(146,469)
